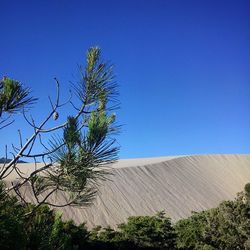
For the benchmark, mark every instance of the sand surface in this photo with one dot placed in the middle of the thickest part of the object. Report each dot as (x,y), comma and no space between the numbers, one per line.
(177,185)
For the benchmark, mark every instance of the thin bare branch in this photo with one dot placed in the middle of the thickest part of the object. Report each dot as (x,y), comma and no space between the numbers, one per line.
(43,154)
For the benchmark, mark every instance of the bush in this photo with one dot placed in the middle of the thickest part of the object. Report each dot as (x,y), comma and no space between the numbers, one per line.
(149,231)
(190,231)
(12,235)
(44,229)
(66,235)
(226,227)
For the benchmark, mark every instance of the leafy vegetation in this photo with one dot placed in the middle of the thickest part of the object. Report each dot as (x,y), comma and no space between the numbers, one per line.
(224,227)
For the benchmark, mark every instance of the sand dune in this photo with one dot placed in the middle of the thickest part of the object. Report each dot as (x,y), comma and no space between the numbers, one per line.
(178,185)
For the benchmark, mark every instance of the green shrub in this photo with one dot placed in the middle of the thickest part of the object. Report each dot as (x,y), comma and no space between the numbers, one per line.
(190,231)
(149,231)
(42,229)
(66,235)
(226,227)
(12,235)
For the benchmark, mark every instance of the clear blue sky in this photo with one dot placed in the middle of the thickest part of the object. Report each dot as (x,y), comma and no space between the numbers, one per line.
(182,66)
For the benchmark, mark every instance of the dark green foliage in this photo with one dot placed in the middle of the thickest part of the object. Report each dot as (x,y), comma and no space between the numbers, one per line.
(140,232)
(42,229)
(108,238)
(226,227)
(149,231)
(38,228)
(13,96)
(11,222)
(190,231)
(66,235)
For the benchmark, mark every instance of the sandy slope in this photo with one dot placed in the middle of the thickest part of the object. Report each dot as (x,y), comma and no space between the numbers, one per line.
(177,185)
